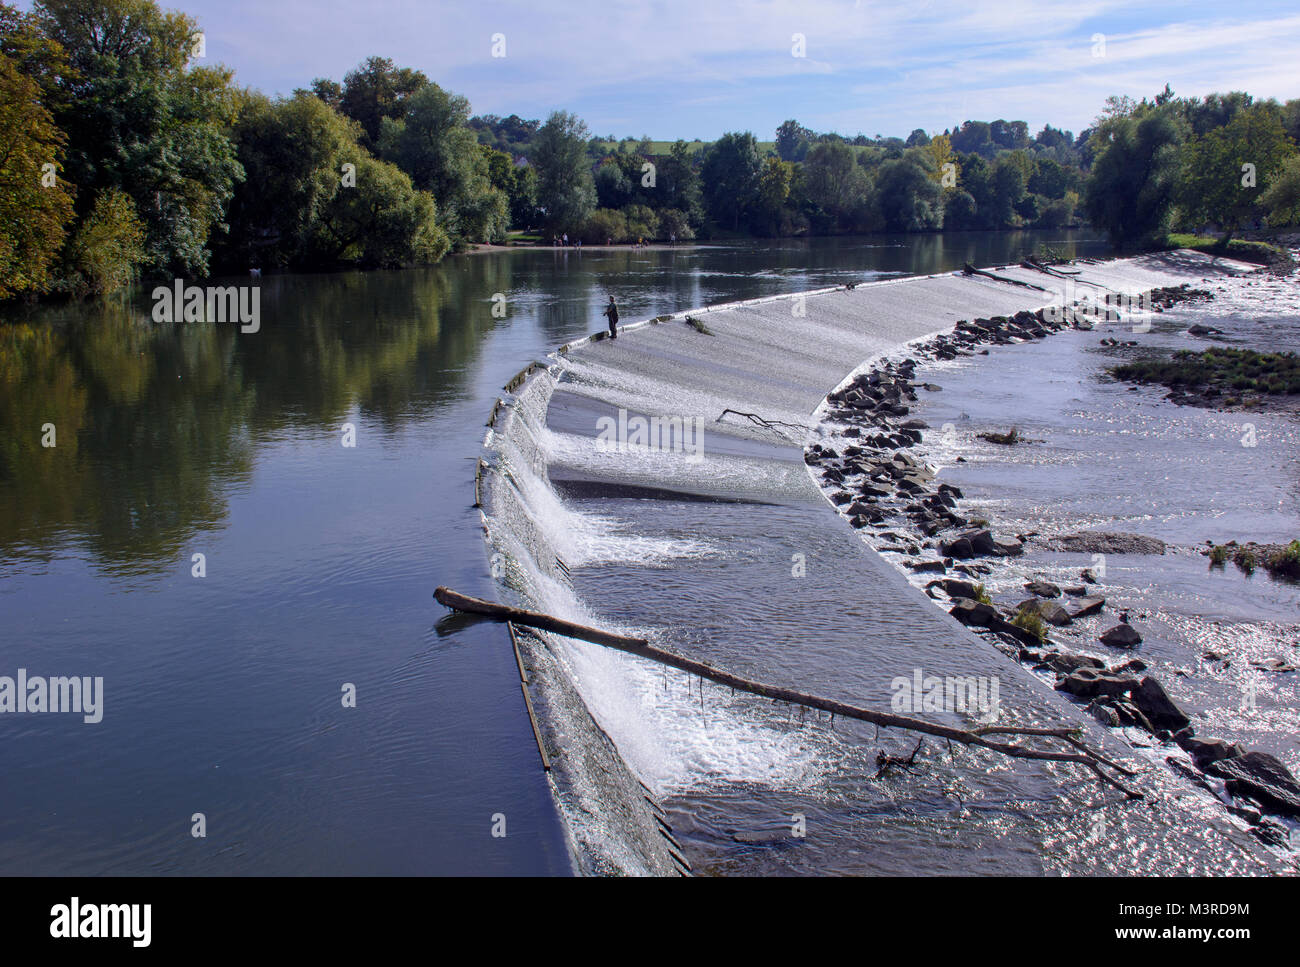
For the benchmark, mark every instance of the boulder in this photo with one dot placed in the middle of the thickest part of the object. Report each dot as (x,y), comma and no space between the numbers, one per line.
(1102,542)
(1091,682)
(1154,702)
(1205,751)
(1043,589)
(971,612)
(1067,664)
(956,589)
(1263,778)
(1121,636)
(1049,611)
(1088,606)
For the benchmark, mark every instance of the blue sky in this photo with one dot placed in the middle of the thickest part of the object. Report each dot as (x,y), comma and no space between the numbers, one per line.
(697,68)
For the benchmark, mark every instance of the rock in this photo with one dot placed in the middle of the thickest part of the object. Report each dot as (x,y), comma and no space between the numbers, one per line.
(1273,833)
(927,567)
(1091,682)
(1205,751)
(1154,702)
(1274,665)
(1067,664)
(961,548)
(1262,777)
(1076,591)
(957,589)
(1008,548)
(1088,606)
(1101,542)
(1044,589)
(1103,714)
(1121,636)
(1049,611)
(1087,576)
(973,613)
(1132,665)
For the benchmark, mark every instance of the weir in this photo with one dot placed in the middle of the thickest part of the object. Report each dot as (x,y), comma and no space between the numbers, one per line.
(731,555)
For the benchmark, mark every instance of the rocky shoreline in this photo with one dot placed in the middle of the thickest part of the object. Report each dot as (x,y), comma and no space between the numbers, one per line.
(891,497)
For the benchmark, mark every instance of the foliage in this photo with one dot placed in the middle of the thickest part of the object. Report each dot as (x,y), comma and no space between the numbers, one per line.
(1212,186)
(566,194)
(108,247)
(36,205)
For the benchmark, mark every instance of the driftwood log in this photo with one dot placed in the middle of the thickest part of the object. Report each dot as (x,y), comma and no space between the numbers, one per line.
(979,737)
(969,269)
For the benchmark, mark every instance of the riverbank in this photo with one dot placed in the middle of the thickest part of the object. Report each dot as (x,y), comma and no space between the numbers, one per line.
(1069,633)
(728,553)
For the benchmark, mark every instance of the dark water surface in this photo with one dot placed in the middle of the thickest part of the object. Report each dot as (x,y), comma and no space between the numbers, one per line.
(222,693)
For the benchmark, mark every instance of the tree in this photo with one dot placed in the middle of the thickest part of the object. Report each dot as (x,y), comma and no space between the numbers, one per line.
(566,194)
(835,182)
(773,190)
(383,222)
(294,152)
(1009,186)
(140,119)
(314,196)
(1131,188)
(679,182)
(730,178)
(430,139)
(107,247)
(792,141)
(1224,171)
(909,199)
(375,90)
(36,205)
(1281,198)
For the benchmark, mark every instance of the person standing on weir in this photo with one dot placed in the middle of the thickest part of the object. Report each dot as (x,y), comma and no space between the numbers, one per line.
(611,313)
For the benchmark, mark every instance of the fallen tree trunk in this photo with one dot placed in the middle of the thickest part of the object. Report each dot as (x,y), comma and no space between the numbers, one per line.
(1083,754)
(969,269)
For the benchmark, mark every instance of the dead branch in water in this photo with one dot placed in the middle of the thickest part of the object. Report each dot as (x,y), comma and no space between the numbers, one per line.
(756,419)
(980,737)
(969,269)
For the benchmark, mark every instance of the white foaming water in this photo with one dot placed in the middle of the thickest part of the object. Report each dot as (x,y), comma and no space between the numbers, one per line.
(652,713)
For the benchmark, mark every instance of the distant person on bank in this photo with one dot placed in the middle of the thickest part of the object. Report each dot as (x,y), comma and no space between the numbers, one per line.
(611,313)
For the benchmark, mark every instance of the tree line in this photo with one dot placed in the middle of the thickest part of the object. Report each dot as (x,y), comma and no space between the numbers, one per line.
(123,156)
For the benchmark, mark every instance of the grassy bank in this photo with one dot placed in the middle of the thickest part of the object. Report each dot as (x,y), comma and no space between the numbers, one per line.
(1222,374)
(1261,253)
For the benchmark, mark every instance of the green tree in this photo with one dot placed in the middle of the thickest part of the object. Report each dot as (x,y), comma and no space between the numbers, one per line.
(730,178)
(1281,198)
(835,182)
(1225,170)
(793,141)
(565,192)
(294,152)
(108,246)
(375,90)
(773,191)
(1130,191)
(36,205)
(139,118)
(383,222)
(430,139)
(910,200)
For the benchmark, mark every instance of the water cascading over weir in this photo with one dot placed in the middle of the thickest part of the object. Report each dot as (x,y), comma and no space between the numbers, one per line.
(718,544)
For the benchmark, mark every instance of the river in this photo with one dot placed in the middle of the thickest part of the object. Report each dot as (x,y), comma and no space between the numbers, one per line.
(222,692)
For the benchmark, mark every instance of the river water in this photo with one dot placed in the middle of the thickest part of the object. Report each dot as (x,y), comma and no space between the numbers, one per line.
(222,693)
